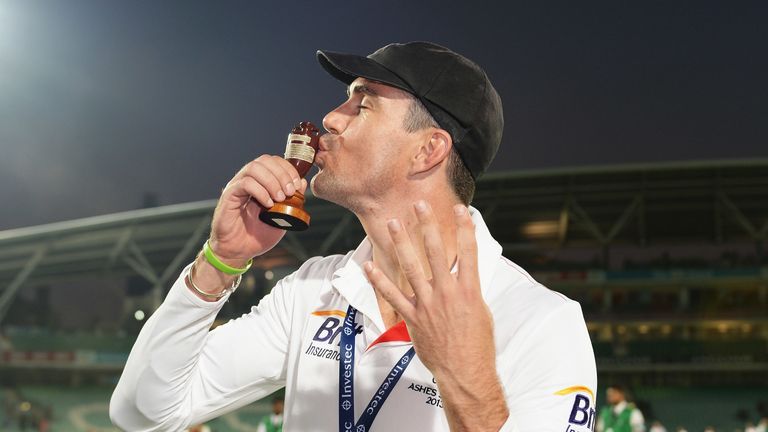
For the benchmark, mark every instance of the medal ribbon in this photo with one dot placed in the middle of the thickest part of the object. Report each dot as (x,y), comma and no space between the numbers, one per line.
(347,381)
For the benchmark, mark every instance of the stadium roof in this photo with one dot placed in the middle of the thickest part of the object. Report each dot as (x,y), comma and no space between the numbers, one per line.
(715,201)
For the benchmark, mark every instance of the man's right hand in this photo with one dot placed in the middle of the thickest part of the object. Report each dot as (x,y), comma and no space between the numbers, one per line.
(237,233)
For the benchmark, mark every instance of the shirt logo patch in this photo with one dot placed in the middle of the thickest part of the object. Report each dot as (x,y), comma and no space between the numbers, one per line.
(582,413)
(330,329)
(326,339)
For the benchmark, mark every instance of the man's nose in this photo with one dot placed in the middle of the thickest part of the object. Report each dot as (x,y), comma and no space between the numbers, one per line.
(335,122)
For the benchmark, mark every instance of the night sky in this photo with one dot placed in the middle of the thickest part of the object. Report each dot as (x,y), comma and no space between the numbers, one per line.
(102,102)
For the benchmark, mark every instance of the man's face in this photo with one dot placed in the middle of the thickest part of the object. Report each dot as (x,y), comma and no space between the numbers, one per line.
(277,407)
(614,396)
(366,151)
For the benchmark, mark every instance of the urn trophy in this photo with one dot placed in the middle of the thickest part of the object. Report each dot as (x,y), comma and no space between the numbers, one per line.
(300,152)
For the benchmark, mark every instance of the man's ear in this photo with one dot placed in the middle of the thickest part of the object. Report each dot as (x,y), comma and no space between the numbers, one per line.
(433,150)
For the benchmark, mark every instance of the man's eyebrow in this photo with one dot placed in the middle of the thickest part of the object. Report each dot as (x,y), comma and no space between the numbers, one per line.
(361,88)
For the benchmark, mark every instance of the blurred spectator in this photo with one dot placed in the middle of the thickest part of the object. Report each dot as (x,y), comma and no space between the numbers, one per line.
(656,426)
(10,402)
(274,421)
(43,424)
(762,426)
(620,415)
(681,429)
(24,414)
(750,427)
(709,429)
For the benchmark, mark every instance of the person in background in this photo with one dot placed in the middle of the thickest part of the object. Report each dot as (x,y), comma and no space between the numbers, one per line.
(762,425)
(10,402)
(656,426)
(620,415)
(44,424)
(274,421)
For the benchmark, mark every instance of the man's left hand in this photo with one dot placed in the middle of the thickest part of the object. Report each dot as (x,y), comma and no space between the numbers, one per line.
(449,322)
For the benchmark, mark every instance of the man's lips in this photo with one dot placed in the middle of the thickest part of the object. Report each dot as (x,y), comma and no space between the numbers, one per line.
(324,142)
(319,162)
(322,149)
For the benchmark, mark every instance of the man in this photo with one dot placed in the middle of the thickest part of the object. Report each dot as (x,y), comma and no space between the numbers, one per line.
(620,415)
(425,326)
(274,421)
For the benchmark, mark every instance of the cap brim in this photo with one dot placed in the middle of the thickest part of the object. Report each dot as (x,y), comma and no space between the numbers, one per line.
(347,67)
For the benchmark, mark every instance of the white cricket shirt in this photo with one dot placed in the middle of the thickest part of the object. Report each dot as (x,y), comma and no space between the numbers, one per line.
(180,373)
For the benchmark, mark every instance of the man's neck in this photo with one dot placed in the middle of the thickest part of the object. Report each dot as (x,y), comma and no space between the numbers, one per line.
(384,255)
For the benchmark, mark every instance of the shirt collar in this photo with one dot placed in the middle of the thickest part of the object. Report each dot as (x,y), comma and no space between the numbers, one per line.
(619,407)
(350,280)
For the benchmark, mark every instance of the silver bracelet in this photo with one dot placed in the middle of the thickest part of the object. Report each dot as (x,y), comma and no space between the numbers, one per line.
(218,296)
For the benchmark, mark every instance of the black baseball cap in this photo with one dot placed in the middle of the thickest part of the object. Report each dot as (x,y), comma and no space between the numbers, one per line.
(455,90)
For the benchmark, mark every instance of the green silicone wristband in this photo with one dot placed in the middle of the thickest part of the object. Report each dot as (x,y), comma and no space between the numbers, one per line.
(220,266)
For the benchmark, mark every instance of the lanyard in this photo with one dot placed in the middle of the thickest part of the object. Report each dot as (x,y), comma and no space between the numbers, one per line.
(347,381)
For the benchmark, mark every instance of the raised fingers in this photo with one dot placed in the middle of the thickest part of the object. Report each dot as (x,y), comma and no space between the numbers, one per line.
(434,247)
(389,291)
(408,259)
(466,247)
